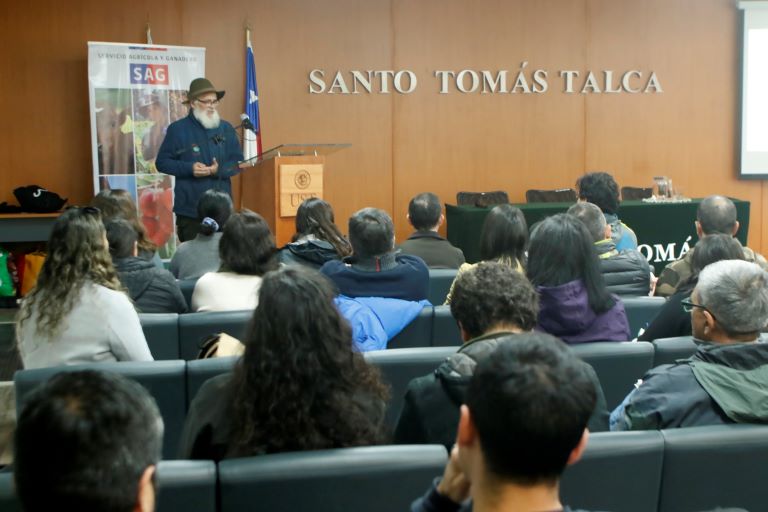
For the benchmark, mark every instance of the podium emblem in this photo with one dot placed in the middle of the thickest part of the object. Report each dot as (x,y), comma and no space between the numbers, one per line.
(302,179)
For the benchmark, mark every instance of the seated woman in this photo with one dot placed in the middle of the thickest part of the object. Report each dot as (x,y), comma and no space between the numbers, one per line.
(299,385)
(503,239)
(575,305)
(317,238)
(247,252)
(195,257)
(118,204)
(672,320)
(77,312)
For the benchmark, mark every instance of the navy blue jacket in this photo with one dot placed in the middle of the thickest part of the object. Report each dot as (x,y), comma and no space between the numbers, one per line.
(187,142)
(407,278)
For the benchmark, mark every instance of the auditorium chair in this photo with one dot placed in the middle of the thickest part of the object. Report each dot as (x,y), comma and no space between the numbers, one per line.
(195,327)
(188,485)
(641,311)
(440,280)
(714,466)
(445,330)
(618,471)
(162,333)
(482,199)
(203,369)
(187,287)
(618,366)
(636,193)
(560,195)
(399,366)
(8,501)
(416,334)
(165,381)
(669,350)
(370,479)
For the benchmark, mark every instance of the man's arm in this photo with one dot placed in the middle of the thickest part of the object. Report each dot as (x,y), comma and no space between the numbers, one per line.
(233,155)
(169,156)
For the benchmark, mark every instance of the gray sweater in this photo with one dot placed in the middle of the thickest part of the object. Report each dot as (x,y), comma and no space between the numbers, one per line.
(196,257)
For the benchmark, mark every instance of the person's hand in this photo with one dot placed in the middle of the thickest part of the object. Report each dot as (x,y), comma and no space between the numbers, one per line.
(200,170)
(454,483)
(214,168)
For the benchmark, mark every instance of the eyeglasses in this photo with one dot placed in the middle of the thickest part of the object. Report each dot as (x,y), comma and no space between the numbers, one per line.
(688,306)
(208,103)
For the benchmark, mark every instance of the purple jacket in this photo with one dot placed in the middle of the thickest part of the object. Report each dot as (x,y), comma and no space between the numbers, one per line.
(564,312)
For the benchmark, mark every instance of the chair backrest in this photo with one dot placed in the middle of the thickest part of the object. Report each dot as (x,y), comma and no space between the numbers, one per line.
(416,334)
(560,195)
(714,466)
(373,479)
(445,330)
(203,369)
(641,311)
(482,199)
(188,485)
(635,193)
(440,280)
(669,350)
(195,327)
(8,500)
(617,365)
(162,333)
(187,287)
(618,471)
(165,381)
(399,366)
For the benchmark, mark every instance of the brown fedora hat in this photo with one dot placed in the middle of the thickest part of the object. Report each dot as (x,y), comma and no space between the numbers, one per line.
(200,86)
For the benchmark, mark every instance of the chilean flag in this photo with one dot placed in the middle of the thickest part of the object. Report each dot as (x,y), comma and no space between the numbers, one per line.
(251,138)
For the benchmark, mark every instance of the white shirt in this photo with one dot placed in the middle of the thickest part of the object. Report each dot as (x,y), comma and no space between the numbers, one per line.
(226,291)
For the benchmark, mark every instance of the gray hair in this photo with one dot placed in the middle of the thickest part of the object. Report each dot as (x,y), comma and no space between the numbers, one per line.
(736,293)
(592,217)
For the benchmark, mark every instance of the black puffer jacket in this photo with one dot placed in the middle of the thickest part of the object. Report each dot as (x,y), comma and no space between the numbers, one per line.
(431,410)
(626,273)
(308,252)
(152,289)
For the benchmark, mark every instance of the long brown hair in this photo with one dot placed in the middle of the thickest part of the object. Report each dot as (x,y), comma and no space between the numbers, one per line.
(315,217)
(118,203)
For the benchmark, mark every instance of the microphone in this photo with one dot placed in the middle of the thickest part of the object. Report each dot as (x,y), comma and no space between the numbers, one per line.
(246,123)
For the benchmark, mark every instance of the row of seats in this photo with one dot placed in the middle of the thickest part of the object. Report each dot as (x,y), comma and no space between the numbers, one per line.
(172,336)
(680,470)
(174,384)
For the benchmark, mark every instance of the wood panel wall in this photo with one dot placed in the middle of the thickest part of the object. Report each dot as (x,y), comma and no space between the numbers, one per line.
(405,144)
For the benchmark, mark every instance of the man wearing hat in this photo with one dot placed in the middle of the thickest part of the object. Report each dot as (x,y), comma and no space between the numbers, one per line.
(202,151)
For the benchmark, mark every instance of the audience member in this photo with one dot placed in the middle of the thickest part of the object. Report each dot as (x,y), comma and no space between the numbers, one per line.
(88,441)
(299,385)
(195,257)
(672,320)
(725,380)
(504,238)
(76,285)
(117,203)
(426,216)
(317,239)
(247,251)
(374,269)
(626,272)
(600,189)
(153,290)
(715,215)
(492,303)
(524,420)
(575,305)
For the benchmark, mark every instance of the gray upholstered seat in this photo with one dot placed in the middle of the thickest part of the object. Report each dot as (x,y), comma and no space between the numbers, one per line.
(641,311)
(440,280)
(370,479)
(445,330)
(195,327)
(188,485)
(416,334)
(203,369)
(669,350)
(162,333)
(187,287)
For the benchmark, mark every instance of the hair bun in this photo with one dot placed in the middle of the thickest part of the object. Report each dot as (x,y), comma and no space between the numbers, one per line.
(210,223)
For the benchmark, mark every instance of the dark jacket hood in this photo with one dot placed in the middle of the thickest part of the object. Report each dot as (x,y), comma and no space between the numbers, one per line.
(312,251)
(135,273)
(564,309)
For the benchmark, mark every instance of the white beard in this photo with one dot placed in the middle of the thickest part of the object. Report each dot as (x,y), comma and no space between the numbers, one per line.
(208,122)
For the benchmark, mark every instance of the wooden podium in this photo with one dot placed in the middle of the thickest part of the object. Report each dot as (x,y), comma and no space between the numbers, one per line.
(276,182)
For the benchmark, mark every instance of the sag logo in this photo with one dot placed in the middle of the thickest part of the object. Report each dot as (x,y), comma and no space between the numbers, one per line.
(302,179)
(149,74)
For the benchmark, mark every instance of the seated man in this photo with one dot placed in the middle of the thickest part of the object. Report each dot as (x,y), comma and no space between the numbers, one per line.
(600,189)
(715,215)
(374,269)
(491,303)
(626,272)
(152,289)
(425,215)
(88,441)
(524,420)
(725,380)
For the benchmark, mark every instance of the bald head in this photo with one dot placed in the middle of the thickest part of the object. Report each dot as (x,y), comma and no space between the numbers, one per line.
(717,214)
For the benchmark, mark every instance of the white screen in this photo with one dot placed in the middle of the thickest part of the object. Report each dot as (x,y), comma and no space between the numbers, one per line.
(754,103)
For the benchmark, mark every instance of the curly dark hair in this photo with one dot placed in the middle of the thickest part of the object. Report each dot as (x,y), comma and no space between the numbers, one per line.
(490,294)
(599,188)
(315,217)
(299,385)
(247,245)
